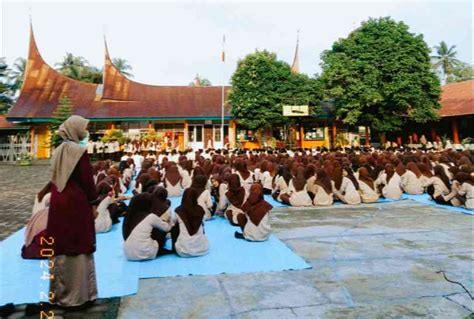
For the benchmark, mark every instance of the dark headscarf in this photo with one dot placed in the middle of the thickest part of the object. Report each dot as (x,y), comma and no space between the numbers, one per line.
(441,174)
(159,201)
(390,171)
(190,212)
(365,177)
(255,206)
(414,168)
(199,184)
(139,208)
(337,177)
(299,181)
(172,175)
(235,193)
(323,180)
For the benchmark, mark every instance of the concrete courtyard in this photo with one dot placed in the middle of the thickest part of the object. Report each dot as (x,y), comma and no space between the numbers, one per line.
(369,261)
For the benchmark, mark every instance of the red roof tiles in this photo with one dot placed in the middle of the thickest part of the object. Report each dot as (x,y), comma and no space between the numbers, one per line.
(457,99)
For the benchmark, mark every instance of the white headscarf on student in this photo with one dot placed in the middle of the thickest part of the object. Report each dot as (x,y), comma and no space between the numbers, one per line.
(68,154)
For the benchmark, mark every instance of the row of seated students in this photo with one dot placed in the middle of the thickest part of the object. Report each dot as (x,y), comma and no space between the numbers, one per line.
(222,186)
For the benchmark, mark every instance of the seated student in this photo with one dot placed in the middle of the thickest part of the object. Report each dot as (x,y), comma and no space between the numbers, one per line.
(255,223)
(235,197)
(173,181)
(389,182)
(310,174)
(246,177)
(138,226)
(299,195)
(367,187)
(346,187)
(187,168)
(466,190)
(439,187)
(127,173)
(411,182)
(161,207)
(36,226)
(282,182)
(204,196)
(266,177)
(188,236)
(218,190)
(323,186)
(103,221)
(426,175)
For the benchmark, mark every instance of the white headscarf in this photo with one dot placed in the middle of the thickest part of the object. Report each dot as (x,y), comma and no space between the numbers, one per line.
(67,155)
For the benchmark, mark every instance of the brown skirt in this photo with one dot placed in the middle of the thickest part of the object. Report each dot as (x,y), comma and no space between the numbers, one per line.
(73,281)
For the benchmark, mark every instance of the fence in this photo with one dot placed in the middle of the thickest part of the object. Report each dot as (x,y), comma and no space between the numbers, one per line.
(14,146)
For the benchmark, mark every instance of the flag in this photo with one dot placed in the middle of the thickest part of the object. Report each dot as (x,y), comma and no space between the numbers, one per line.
(223,49)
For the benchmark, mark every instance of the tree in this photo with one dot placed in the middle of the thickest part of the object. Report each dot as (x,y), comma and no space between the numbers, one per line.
(72,66)
(17,74)
(91,74)
(445,59)
(5,88)
(261,85)
(461,72)
(63,111)
(123,66)
(200,81)
(381,76)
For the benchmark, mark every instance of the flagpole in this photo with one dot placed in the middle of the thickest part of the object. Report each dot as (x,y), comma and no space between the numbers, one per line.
(222,91)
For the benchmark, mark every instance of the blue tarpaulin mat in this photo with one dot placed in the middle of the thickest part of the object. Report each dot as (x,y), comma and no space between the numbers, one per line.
(426,199)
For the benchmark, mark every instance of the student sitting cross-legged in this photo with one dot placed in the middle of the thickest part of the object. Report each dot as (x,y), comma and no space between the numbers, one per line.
(138,226)
(188,237)
(255,222)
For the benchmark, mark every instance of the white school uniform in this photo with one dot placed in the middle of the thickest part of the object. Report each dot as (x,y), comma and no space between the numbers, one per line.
(367,194)
(322,198)
(103,222)
(392,188)
(205,201)
(191,246)
(468,191)
(349,192)
(411,184)
(259,232)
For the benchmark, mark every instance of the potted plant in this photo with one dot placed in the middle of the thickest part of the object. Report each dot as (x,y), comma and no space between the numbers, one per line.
(24,159)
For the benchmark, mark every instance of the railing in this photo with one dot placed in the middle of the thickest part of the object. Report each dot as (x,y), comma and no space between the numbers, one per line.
(13,146)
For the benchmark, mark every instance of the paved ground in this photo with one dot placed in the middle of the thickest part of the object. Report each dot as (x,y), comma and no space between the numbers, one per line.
(371,261)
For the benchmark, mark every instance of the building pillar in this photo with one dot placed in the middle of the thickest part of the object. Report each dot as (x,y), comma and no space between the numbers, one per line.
(150,125)
(32,142)
(112,126)
(301,136)
(367,136)
(415,137)
(455,129)
(186,135)
(334,134)
(399,141)
(232,133)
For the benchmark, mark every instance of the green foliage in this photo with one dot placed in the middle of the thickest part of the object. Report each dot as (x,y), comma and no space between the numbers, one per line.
(152,135)
(6,99)
(17,74)
(63,111)
(77,68)
(123,66)
(262,84)
(200,81)
(113,134)
(381,76)
(461,72)
(445,59)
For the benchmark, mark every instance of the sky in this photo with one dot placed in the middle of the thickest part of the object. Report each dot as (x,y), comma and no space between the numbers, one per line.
(168,43)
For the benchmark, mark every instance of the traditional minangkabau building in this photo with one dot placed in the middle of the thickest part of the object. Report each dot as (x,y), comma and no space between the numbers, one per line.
(191,115)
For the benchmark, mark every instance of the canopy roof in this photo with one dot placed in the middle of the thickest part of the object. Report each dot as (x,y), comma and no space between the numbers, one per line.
(457,99)
(118,98)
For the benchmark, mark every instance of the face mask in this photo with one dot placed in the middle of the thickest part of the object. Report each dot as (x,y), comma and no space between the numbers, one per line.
(83,142)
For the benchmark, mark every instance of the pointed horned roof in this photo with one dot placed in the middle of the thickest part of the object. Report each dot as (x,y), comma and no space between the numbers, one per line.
(120,97)
(295,66)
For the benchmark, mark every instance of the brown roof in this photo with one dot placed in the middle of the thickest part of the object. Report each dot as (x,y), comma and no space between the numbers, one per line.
(121,98)
(457,99)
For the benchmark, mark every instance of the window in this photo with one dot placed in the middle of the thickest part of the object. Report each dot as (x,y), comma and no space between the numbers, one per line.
(198,133)
(312,133)
(191,129)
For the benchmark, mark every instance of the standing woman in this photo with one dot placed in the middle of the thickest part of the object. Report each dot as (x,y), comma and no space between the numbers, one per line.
(71,218)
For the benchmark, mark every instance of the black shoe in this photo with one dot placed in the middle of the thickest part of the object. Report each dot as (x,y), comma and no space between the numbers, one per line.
(7,310)
(164,251)
(238,235)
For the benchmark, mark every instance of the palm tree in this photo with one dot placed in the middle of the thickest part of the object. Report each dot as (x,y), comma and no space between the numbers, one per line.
(17,74)
(72,66)
(200,81)
(5,88)
(123,66)
(445,59)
